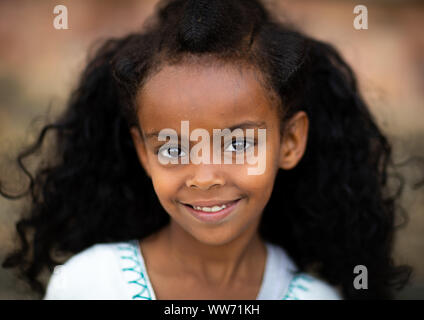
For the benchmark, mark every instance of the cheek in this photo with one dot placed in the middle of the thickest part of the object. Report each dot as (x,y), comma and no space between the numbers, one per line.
(260,186)
(165,187)
(257,187)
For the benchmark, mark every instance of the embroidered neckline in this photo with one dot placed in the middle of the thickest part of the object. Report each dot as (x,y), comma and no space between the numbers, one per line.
(294,285)
(129,252)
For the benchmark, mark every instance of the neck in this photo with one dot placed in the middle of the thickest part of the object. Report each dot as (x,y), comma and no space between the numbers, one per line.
(219,265)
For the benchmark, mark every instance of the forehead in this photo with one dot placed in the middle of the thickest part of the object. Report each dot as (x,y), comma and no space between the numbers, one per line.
(207,96)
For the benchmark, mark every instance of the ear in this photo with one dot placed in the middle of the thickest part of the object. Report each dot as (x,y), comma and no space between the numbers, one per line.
(294,140)
(140,148)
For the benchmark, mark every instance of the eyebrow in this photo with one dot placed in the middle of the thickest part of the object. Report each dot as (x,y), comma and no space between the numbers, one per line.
(243,125)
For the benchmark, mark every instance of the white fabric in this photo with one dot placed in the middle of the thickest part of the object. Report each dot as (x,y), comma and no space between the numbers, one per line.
(117,271)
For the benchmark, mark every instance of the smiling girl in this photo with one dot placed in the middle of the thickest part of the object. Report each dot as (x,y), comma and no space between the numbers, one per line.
(141,229)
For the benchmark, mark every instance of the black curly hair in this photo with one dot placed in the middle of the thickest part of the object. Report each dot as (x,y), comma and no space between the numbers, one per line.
(336,211)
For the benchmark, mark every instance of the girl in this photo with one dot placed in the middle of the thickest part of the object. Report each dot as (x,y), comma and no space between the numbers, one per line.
(142,229)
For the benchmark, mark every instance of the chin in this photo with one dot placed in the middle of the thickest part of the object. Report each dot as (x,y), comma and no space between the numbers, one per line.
(218,237)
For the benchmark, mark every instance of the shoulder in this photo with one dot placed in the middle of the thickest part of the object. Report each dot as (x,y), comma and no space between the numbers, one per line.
(304,286)
(93,273)
(288,283)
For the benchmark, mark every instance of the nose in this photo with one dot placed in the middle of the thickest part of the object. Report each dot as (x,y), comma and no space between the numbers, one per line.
(205,177)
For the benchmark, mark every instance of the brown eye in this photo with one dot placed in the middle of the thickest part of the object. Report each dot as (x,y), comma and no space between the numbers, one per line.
(239,145)
(172,152)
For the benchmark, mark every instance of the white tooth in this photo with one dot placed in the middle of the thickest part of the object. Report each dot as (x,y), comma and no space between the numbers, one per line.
(210,209)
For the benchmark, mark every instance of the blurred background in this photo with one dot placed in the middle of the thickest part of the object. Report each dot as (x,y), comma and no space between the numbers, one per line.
(39,65)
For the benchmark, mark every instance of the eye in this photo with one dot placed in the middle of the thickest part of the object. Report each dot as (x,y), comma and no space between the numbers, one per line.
(239,145)
(172,152)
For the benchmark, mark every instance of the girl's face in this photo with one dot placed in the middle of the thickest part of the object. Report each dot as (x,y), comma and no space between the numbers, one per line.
(212,97)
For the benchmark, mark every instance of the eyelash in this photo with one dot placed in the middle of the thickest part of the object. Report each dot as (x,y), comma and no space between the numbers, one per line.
(245,141)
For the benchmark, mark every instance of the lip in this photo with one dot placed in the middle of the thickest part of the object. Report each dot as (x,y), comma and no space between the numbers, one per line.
(212,217)
(209,203)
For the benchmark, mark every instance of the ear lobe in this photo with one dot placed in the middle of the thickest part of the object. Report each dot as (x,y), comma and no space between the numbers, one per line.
(294,141)
(140,148)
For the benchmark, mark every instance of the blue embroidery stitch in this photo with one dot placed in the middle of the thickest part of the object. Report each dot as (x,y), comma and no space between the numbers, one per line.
(137,268)
(291,293)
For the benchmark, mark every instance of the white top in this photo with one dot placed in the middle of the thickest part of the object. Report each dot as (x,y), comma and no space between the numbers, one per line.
(116,271)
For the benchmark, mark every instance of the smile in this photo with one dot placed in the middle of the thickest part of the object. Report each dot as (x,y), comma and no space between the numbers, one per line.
(210,209)
(211,206)
(213,212)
